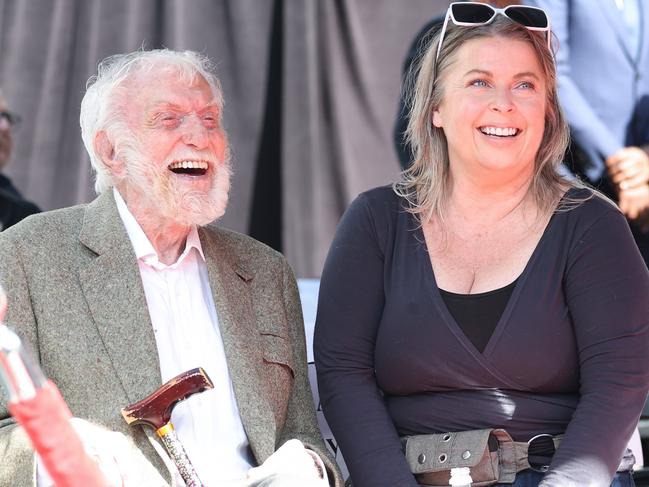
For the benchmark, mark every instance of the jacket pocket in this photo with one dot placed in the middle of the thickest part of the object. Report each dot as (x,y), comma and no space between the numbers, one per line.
(277,350)
(278,373)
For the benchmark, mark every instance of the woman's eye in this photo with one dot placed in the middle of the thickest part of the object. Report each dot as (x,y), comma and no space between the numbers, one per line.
(527,85)
(480,83)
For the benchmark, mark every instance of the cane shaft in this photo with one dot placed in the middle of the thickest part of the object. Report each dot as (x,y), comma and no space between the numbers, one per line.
(177,453)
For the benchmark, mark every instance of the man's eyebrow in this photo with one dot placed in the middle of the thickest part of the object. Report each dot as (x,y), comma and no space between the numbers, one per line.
(168,105)
(164,105)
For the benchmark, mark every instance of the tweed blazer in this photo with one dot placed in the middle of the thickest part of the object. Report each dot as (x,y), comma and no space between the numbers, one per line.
(75,293)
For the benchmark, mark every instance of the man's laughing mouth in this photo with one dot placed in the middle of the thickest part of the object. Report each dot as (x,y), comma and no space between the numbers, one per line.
(189,167)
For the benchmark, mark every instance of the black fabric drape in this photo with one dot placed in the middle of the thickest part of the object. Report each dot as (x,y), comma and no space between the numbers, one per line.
(266,212)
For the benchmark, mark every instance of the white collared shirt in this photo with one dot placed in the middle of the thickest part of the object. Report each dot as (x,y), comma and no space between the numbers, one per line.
(186,327)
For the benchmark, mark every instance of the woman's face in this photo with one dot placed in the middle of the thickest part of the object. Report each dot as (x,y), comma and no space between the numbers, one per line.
(493,107)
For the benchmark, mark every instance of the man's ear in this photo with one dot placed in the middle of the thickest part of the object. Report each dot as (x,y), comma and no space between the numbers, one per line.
(106,151)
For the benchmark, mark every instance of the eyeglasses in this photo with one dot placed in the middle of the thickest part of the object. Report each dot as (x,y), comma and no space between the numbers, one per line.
(473,14)
(8,119)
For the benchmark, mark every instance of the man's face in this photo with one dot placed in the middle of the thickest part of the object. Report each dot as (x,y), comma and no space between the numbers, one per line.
(6,140)
(178,167)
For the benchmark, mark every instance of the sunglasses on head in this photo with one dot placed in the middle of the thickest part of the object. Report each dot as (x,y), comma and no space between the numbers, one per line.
(468,14)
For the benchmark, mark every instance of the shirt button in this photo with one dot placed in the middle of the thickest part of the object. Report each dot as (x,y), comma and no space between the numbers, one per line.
(421,458)
(466,455)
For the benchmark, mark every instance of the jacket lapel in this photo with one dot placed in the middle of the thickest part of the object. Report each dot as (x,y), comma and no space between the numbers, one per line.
(230,282)
(615,19)
(643,14)
(113,289)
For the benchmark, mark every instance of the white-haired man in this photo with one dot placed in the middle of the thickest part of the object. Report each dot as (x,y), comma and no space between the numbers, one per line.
(121,295)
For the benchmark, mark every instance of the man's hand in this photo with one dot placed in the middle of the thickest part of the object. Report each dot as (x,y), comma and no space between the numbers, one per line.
(292,464)
(634,203)
(629,168)
(121,462)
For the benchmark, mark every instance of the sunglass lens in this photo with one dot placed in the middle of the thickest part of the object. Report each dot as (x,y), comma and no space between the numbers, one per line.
(472,13)
(527,16)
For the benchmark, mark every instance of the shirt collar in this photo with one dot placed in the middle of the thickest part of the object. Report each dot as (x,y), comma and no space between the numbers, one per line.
(144,250)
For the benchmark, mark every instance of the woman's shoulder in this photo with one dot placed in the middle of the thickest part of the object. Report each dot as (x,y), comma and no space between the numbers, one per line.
(583,209)
(586,203)
(380,211)
(379,194)
(381,199)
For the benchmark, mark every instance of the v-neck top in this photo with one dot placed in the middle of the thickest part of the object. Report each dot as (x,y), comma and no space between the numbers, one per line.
(478,314)
(567,355)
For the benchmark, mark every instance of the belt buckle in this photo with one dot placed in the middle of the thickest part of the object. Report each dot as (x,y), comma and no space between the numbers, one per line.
(542,437)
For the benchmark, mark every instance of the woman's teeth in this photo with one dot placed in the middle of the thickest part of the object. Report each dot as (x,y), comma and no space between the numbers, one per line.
(499,131)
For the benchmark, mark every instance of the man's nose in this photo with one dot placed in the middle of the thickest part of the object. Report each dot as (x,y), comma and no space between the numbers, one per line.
(194,132)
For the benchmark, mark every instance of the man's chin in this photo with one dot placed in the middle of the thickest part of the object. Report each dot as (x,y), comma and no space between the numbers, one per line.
(199,213)
(203,219)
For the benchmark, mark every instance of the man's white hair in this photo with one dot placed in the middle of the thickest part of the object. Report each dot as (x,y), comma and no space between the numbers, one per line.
(104,105)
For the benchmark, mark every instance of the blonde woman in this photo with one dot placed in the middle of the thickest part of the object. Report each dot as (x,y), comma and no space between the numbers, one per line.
(483,291)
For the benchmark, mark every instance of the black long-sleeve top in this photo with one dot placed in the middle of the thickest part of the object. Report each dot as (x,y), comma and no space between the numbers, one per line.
(569,353)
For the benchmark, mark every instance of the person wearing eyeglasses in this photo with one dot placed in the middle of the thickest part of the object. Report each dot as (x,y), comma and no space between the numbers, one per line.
(603,78)
(13,207)
(484,311)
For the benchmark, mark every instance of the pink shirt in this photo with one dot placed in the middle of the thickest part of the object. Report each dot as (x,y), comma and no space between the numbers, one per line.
(186,328)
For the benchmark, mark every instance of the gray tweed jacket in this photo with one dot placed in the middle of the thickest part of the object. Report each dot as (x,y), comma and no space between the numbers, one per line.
(75,293)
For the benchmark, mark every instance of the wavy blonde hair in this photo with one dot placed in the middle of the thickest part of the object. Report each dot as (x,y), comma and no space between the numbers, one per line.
(426,184)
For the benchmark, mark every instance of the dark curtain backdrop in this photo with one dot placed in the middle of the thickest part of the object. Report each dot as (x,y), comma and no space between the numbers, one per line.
(311,90)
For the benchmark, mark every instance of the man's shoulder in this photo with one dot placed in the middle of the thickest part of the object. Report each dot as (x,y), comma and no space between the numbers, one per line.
(243,247)
(46,225)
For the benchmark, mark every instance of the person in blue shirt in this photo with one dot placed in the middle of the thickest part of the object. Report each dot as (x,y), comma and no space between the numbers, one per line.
(603,78)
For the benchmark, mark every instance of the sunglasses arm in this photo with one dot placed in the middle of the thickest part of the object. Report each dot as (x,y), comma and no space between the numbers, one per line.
(443,32)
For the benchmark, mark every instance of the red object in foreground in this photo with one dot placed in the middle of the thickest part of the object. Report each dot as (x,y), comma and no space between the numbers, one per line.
(46,419)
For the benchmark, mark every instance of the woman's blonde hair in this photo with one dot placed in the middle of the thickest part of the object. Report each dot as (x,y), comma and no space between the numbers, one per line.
(426,183)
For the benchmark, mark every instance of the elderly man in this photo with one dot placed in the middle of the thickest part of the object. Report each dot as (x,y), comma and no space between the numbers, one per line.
(122,294)
(13,207)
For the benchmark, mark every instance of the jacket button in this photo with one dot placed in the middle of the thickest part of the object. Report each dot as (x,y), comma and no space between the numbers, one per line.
(421,458)
(466,455)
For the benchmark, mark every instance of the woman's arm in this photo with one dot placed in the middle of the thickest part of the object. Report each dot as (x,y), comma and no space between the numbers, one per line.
(349,311)
(607,289)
